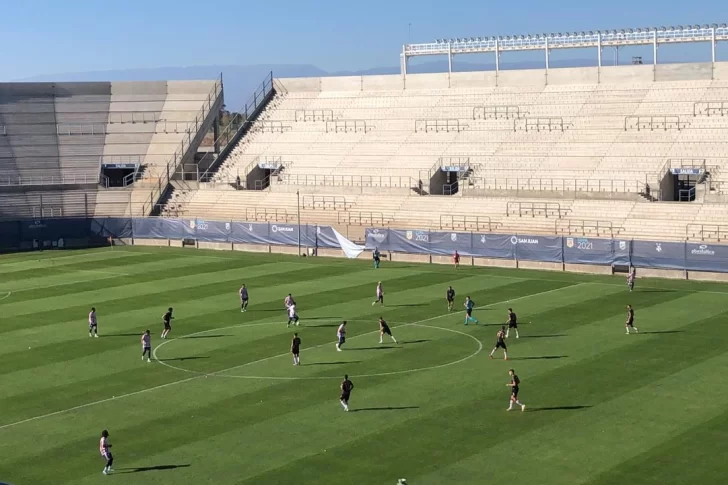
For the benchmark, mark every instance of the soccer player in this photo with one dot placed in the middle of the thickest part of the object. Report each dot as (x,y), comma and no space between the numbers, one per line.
(104,446)
(456,259)
(469,305)
(500,343)
(630,279)
(515,382)
(450,297)
(376,257)
(384,328)
(243,299)
(288,301)
(346,387)
(629,324)
(292,316)
(147,345)
(341,335)
(167,319)
(512,322)
(93,324)
(296,349)
(380,295)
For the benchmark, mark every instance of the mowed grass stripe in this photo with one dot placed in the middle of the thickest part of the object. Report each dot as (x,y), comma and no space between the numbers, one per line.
(275,392)
(481,408)
(622,423)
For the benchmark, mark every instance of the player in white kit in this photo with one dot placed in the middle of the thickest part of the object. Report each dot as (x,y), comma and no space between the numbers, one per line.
(292,316)
(341,335)
(380,295)
(104,446)
(93,324)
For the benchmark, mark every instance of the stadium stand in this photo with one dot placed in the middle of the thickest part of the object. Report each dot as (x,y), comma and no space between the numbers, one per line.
(586,152)
(60,136)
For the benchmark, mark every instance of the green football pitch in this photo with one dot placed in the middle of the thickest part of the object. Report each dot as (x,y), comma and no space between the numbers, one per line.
(221,402)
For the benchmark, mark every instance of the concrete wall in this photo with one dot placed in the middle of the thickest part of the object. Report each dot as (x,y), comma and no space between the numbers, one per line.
(522,77)
(626,74)
(684,72)
(382,83)
(578,75)
(481,79)
(346,83)
(190,87)
(720,71)
(132,87)
(428,81)
(300,84)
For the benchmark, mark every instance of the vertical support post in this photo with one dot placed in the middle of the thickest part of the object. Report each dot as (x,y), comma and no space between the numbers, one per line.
(712,45)
(654,48)
(403,67)
(599,50)
(298,213)
(497,57)
(546,50)
(449,58)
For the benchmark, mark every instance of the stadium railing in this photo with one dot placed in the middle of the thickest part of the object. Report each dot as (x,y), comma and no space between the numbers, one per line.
(535,184)
(30,180)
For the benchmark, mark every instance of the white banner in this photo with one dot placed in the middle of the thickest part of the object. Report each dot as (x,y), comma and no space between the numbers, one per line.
(350,249)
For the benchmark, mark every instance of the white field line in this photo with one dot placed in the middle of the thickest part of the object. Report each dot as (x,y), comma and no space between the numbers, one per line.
(187,379)
(6,296)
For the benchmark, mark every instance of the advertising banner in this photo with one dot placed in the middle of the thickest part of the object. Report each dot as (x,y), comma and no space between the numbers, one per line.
(657,254)
(538,248)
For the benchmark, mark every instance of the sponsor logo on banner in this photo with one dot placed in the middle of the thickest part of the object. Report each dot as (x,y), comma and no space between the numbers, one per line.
(622,245)
(408,235)
(584,244)
(422,236)
(569,242)
(37,225)
(377,236)
(658,247)
(523,240)
(703,250)
(453,237)
(318,229)
(250,227)
(227,226)
(202,225)
(275,228)
(482,239)
(192,224)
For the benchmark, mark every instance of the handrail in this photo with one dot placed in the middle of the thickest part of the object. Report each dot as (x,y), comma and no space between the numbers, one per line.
(583,227)
(29,180)
(639,123)
(237,123)
(335,202)
(539,124)
(181,150)
(710,232)
(440,125)
(554,184)
(535,209)
(362,218)
(343,180)
(466,222)
(710,108)
(124,117)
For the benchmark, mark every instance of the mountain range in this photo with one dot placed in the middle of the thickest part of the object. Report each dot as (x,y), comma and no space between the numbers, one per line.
(241,81)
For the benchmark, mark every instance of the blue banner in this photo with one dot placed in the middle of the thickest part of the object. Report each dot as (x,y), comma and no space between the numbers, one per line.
(706,257)
(376,238)
(657,254)
(249,233)
(585,250)
(325,237)
(409,241)
(212,231)
(493,246)
(538,248)
(446,243)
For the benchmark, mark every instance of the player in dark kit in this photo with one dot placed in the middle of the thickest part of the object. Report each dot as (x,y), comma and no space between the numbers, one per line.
(167,319)
(512,322)
(384,329)
(450,297)
(376,257)
(346,387)
(243,299)
(500,343)
(515,382)
(629,324)
(296,349)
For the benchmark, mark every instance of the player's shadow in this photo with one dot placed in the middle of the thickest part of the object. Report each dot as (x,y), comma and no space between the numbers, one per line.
(421,341)
(656,290)
(545,336)
(123,334)
(150,468)
(559,408)
(180,359)
(656,332)
(540,357)
(388,408)
(210,336)
(373,348)
(334,363)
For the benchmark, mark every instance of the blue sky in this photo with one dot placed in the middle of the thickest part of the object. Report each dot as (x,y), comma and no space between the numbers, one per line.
(44,37)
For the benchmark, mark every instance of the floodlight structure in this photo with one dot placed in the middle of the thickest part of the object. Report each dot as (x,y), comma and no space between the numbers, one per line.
(654,36)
